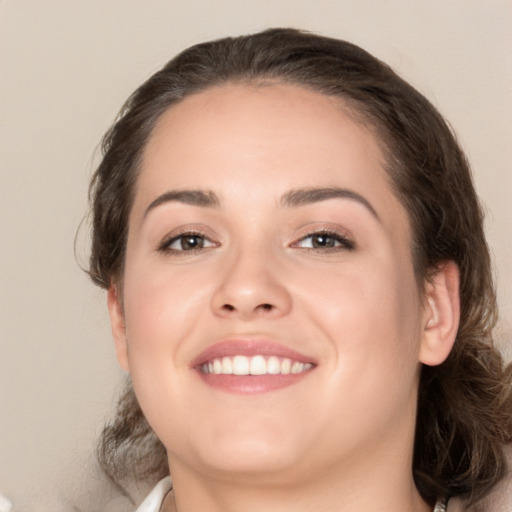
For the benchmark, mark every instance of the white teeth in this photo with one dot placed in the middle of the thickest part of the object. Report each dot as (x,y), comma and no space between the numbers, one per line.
(227,366)
(273,365)
(240,365)
(255,365)
(258,365)
(217,366)
(297,367)
(286,366)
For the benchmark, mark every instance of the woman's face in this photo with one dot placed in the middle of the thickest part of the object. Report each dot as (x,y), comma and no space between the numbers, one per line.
(265,238)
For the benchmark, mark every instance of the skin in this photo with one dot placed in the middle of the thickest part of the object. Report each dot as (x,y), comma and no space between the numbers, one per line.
(341,437)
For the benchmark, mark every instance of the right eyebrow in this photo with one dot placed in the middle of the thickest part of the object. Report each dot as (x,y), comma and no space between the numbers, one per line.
(203,198)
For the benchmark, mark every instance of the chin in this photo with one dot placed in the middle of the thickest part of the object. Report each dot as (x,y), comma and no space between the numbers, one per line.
(247,454)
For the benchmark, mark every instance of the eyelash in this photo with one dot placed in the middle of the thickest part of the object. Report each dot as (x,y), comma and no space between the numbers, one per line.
(165,246)
(343,242)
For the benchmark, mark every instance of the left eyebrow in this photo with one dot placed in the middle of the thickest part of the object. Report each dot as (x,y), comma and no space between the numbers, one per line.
(303,196)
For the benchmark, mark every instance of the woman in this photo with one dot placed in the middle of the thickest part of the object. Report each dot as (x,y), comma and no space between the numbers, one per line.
(299,287)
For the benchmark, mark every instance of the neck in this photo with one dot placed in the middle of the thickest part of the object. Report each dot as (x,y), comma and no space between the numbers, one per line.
(375,489)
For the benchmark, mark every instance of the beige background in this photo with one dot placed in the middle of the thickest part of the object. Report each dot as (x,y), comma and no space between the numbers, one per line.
(66,67)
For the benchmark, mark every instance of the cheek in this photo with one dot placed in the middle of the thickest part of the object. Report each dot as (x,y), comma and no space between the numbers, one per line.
(371,312)
(161,306)
(369,316)
(161,312)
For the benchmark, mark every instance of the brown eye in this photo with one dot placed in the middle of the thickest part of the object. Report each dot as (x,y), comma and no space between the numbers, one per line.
(324,240)
(186,242)
(190,242)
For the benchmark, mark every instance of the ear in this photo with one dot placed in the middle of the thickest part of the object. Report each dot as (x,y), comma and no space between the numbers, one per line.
(117,323)
(441,314)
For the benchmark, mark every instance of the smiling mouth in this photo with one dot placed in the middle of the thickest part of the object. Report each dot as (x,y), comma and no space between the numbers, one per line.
(254,365)
(251,366)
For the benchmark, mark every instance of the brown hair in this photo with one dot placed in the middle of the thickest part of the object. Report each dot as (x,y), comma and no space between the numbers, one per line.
(465,404)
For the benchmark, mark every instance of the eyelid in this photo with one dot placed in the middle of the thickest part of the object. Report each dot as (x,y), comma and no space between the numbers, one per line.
(343,236)
(166,242)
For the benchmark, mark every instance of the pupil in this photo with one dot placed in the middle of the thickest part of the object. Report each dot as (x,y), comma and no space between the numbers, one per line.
(323,241)
(192,242)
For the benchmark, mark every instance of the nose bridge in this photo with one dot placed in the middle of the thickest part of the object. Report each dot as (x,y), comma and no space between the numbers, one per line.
(251,284)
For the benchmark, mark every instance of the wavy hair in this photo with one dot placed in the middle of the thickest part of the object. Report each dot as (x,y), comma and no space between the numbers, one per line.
(464,416)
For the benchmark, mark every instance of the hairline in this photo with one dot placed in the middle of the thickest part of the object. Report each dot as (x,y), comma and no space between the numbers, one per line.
(348,106)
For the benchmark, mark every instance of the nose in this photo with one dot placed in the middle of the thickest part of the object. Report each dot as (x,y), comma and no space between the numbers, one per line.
(251,286)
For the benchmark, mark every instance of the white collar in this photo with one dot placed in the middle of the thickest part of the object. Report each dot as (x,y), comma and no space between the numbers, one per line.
(154,499)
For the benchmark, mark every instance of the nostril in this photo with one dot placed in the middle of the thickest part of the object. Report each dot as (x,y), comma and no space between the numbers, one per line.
(263,307)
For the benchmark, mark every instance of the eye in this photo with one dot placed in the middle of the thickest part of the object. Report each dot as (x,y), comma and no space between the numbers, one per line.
(186,242)
(324,240)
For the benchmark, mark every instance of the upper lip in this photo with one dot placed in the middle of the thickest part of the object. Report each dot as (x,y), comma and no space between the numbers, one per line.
(248,347)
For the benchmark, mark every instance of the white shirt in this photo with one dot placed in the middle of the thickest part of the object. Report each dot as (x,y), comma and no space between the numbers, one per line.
(155,498)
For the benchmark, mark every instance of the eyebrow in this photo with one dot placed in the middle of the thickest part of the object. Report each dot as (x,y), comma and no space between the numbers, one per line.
(203,198)
(293,198)
(303,196)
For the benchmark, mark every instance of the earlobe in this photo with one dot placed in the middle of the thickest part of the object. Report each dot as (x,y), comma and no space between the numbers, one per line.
(441,314)
(117,324)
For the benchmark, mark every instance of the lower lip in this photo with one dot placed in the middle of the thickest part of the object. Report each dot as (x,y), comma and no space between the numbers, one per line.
(251,384)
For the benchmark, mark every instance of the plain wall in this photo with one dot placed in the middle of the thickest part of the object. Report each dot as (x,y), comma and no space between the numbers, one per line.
(66,68)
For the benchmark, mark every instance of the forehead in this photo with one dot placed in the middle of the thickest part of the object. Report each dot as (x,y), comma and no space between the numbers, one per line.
(247,125)
(263,140)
